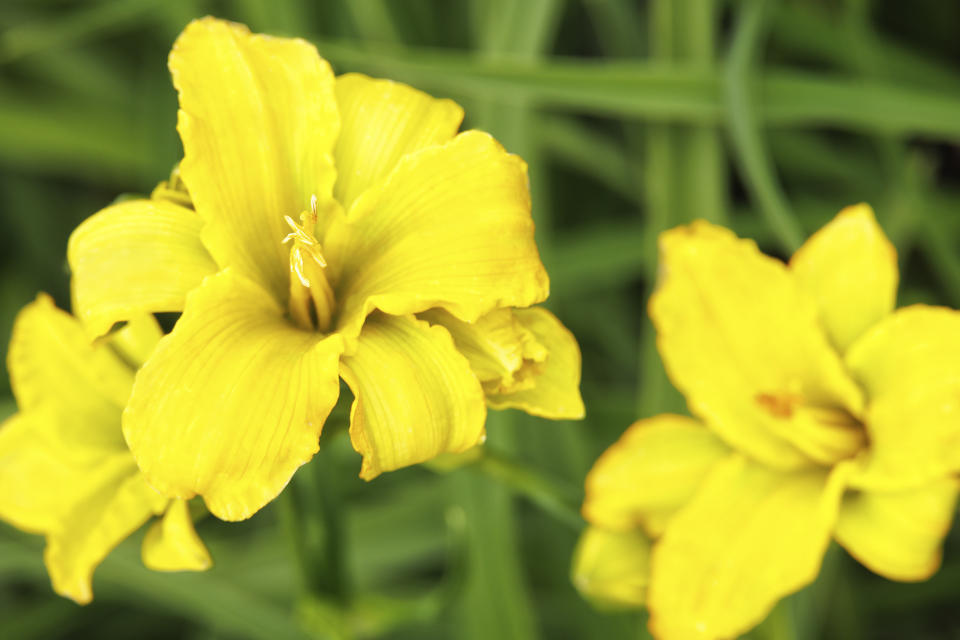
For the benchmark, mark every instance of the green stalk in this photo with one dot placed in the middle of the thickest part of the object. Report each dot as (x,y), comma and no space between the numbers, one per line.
(744,125)
(556,499)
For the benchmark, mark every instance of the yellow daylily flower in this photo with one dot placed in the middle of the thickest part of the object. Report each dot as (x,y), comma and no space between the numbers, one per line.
(65,471)
(819,412)
(326,227)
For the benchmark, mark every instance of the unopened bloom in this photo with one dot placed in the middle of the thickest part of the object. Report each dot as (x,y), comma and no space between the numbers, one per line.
(65,470)
(327,227)
(820,412)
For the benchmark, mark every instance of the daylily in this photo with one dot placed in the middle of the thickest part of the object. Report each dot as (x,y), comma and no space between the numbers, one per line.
(820,412)
(326,214)
(65,471)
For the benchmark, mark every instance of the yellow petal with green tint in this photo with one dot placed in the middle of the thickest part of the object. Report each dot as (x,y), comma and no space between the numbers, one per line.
(612,568)
(651,471)
(450,227)
(555,392)
(415,396)
(908,366)
(258,121)
(116,502)
(172,544)
(381,121)
(54,367)
(749,537)
(899,534)
(850,269)
(139,256)
(503,354)
(524,358)
(743,343)
(233,400)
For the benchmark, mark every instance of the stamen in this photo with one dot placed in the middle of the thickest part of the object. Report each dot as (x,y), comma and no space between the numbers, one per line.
(779,405)
(311,297)
(304,242)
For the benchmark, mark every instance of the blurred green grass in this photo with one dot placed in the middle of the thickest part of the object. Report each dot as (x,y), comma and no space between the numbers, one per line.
(634,116)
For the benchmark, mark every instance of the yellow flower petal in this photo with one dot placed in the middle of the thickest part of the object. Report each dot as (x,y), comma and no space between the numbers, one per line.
(116,502)
(850,268)
(524,358)
(136,340)
(743,344)
(748,537)
(450,227)
(908,366)
(86,500)
(651,471)
(172,544)
(612,568)
(415,395)
(898,534)
(501,351)
(258,120)
(65,470)
(54,366)
(233,401)
(36,487)
(381,121)
(556,381)
(135,257)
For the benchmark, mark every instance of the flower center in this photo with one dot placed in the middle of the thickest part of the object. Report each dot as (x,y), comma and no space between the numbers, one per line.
(826,433)
(311,298)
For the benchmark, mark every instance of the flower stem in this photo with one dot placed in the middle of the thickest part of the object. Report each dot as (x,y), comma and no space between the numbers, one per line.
(548,493)
(310,510)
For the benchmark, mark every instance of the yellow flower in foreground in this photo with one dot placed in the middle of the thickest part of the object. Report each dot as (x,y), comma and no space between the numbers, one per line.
(820,412)
(323,215)
(65,470)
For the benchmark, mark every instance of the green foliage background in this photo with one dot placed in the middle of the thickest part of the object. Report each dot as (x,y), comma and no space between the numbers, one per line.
(634,116)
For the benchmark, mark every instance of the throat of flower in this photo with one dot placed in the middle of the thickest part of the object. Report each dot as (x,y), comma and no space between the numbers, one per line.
(827,434)
(311,297)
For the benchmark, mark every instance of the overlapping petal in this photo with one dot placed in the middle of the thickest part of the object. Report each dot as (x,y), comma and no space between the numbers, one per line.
(116,502)
(850,269)
(258,120)
(36,487)
(908,366)
(651,471)
(233,400)
(415,396)
(555,392)
(381,121)
(748,537)
(85,500)
(743,343)
(612,568)
(65,470)
(450,227)
(139,256)
(524,358)
(172,544)
(503,354)
(54,367)
(898,534)
(135,341)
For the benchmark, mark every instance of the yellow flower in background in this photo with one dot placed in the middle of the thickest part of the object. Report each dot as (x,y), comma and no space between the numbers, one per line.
(65,471)
(333,227)
(820,412)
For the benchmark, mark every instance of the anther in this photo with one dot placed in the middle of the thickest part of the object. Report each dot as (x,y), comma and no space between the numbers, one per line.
(304,242)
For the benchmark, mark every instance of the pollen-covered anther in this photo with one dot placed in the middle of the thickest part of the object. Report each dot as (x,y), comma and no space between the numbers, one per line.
(780,405)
